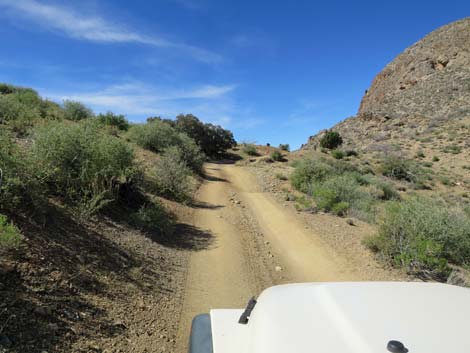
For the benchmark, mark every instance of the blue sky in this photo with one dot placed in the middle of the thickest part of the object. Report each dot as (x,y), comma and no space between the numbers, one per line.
(271,71)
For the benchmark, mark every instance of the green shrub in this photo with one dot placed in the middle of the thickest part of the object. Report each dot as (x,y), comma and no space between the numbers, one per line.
(303,203)
(388,191)
(190,152)
(423,235)
(340,209)
(385,190)
(338,154)
(158,135)
(445,180)
(351,153)
(345,189)
(399,168)
(309,170)
(81,163)
(250,150)
(277,156)
(281,176)
(155,136)
(330,182)
(20,187)
(10,236)
(76,111)
(284,147)
(454,149)
(111,119)
(52,111)
(212,139)
(153,217)
(435,159)
(420,154)
(171,175)
(466,209)
(331,140)
(325,198)
(18,115)
(21,108)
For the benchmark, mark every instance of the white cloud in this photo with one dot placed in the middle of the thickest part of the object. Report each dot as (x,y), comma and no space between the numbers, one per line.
(137,99)
(95,28)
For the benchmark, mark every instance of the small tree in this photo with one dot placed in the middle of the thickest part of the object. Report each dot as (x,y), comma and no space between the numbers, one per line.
(76,111)
(111,119)
(277,156)
(331,140)
(212,139)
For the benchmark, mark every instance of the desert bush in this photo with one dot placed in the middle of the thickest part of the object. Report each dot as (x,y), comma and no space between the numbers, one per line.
(338,154)
(155,136)
(331,140)
(420,154)
(81,163)
(171,175)
(303,203)
(400,168)
(76,111)
(435,159)
(340,208)
(51,110)
(158,136)
(21,108)
(281,176)
(351,153)
(454,149)
(346,190)
(423,235)
(284,147)
(111,119)
(309,170)
(153,217)
(19,186)
(18,115)
(10,236)
(385,190)
(445,180)
(190,152)
(5,88)
(212,139)
(341,194)
(331,182)
(277,156)
(250,150)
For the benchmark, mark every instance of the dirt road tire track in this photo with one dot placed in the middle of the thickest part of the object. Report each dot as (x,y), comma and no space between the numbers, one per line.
(256,243)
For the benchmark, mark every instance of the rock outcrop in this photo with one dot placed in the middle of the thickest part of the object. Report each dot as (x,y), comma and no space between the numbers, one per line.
(431,78)
(425,87)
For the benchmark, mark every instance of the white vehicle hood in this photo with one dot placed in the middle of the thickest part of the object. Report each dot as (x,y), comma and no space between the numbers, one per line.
(349,318)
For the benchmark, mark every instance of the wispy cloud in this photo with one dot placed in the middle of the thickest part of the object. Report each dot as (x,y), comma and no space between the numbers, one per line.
(93,28)
(137,99)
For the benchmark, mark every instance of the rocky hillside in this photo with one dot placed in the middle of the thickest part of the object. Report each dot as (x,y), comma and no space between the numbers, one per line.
(424,94)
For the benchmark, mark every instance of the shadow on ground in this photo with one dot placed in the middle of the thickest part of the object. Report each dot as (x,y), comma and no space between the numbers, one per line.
(186,237)
(57,289)
(205,205)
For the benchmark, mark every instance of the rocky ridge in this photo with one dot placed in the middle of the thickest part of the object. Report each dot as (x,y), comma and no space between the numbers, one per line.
(423,90)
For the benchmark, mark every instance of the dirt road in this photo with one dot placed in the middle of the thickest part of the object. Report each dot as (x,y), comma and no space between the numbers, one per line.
(256,243)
